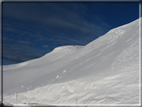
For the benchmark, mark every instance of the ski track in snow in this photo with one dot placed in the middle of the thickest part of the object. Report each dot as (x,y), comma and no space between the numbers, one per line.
(105,71)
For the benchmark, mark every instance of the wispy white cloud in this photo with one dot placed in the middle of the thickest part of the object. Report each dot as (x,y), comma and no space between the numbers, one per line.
(45,46)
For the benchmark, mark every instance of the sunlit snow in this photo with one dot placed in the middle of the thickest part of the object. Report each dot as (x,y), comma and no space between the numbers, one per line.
(105,71)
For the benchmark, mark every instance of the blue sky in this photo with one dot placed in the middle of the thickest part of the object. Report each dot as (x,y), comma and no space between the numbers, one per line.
(31,30)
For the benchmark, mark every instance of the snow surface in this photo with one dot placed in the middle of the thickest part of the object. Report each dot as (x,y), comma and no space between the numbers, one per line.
(105,71)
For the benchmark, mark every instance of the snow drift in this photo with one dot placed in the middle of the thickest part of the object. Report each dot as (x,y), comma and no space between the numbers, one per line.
(105,71)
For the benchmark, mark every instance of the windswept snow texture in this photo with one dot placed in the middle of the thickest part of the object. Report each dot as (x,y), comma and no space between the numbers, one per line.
(105,71)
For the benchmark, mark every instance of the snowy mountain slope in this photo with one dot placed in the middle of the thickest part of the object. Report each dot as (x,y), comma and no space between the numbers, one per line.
(105,71)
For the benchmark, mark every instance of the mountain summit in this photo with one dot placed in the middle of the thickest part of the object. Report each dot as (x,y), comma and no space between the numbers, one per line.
(105,71)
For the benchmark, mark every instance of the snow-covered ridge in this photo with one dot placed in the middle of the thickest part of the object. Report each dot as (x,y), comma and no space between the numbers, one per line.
(105,71)
(115,33)
(62,50)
